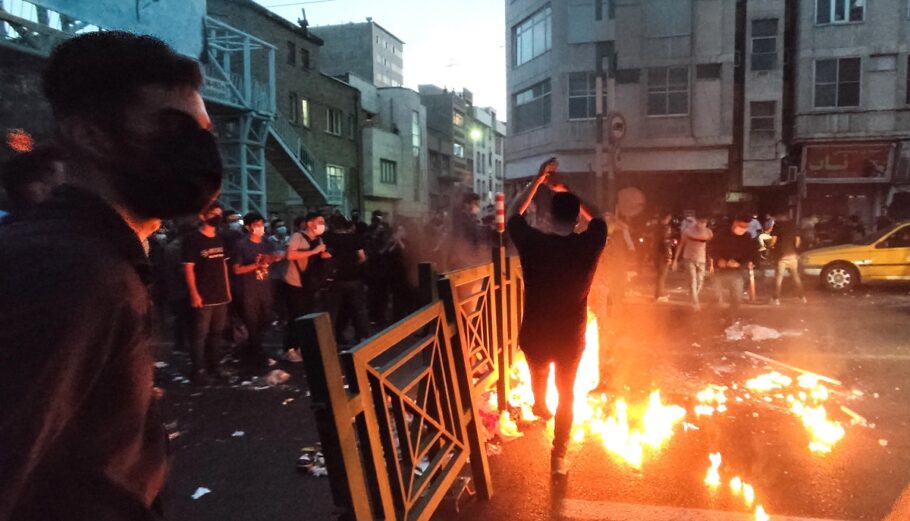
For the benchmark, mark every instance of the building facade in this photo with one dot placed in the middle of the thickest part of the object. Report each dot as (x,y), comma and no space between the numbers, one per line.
(450,152)
(728,105)
(313,148)
(486,134)
(395,158)
(365,49)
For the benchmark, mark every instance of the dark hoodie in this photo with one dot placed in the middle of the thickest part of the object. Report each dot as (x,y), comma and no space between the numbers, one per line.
(80,432)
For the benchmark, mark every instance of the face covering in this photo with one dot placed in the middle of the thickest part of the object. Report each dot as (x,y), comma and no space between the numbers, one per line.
(258,231)
(235,225)
(282,230)
(320,229)
(214,221)
(175,171)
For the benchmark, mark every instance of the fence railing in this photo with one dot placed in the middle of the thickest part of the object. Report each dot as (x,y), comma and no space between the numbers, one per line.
(398,414)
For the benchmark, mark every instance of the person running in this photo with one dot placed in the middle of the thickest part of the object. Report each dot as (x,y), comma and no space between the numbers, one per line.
(693,250)
(558,270)
(785,243)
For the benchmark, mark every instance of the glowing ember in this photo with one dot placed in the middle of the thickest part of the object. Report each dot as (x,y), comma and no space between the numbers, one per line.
(769,382)
(760,514)
(19,140)
(748,494)
(712,479)
(824,433)
(736,486)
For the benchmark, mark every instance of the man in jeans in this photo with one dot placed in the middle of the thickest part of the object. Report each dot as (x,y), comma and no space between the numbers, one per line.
(558,270)
(693,250)
(206,273)
(252,257)
(785,243)
(732,253)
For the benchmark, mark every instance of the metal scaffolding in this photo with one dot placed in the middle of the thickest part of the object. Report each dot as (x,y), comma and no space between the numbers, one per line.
(240,78)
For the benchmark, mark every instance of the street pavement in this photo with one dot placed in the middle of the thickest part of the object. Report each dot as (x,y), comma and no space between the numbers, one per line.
(859,339)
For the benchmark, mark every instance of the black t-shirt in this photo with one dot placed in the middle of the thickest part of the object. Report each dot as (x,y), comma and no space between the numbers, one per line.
(344,248)
(729,246)
(786,234)
(245,253)
(558,271)
(207,254)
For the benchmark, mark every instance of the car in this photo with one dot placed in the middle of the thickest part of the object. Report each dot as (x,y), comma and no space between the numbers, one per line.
(883,256)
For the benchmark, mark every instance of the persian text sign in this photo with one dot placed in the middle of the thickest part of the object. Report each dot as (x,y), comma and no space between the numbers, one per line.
(847,161)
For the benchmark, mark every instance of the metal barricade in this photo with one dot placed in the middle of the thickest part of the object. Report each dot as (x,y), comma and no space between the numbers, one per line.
(396,437)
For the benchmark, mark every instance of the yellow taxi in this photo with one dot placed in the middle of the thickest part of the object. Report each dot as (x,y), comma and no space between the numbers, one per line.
(883,256)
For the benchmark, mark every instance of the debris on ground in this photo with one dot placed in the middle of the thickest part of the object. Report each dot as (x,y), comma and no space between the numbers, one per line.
(160,365)
(287,401)
(201,491)
(494,449)
(753,332)
(238,434)
(312,462)
(277,377)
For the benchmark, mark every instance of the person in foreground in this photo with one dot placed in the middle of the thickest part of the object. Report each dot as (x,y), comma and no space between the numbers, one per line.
(558,270)
(80,430)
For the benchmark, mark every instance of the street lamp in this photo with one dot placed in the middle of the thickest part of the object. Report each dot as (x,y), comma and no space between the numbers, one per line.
(476,134)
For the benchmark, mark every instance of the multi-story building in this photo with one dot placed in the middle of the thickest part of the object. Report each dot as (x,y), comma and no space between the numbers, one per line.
(760,105)
(450,150)
(395,158)
(365,49)
(851,106)
(670,66)
(486,134)
(313,146)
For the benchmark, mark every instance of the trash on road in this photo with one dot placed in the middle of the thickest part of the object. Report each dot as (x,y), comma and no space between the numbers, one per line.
(238,434)
(277,377)
(160,365)
(201,491)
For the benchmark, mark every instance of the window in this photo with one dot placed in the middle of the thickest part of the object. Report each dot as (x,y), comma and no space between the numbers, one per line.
(458,150)
(764,44)
(532,37)
(837,82)
(292,53)
(293,108)
(531,107)
(839,11)
(305,58)
(604,8)
(335,183)
(668,91)
(762,118)
(416,134)
(457,119)
(388,172)
(305,112)
(333,119)
(583,95)
(708,71)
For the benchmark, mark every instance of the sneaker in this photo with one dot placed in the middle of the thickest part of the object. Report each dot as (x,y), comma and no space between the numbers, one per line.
(663,299)
(559,466)
(775,302)
(293,356)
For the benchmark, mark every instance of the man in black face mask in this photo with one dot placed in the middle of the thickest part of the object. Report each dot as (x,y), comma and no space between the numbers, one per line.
(80,431)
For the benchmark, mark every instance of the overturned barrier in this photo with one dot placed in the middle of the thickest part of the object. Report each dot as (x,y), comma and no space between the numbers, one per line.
(397,415)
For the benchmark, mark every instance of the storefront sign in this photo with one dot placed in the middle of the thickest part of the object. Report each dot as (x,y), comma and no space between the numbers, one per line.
(847,161)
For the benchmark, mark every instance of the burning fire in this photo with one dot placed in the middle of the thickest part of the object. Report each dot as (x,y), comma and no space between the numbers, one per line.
(626,431)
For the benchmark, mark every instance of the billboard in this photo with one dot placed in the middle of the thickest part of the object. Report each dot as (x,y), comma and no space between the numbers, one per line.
(178,22)
(848,161)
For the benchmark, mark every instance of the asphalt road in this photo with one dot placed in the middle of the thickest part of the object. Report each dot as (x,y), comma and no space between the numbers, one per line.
(859,339)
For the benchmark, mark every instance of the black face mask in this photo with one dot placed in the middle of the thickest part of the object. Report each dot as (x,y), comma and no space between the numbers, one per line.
(174,172)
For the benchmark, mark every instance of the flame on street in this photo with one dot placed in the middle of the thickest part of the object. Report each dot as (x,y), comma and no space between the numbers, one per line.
(627,430)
